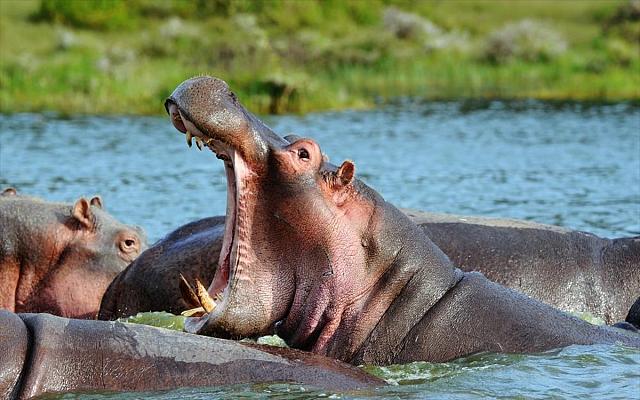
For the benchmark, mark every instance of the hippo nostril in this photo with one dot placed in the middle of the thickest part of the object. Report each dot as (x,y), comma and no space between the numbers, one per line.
(176,118)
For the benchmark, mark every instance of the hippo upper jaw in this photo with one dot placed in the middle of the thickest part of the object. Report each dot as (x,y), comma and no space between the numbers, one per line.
(205,107)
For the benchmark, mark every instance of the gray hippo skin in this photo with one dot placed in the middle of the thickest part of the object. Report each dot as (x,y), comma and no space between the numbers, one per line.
(349,276)
(569,270)
(151,282)
(59,258)
(43,354)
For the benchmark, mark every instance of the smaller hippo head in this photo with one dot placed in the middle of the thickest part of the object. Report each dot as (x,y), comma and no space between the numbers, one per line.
(300,252)
(60,258)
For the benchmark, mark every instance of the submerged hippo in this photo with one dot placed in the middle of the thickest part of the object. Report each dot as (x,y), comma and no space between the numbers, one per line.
(60,258)
(573,271)
(318,257)
(42,354)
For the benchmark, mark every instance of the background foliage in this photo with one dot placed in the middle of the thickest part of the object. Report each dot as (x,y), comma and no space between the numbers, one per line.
(112,56)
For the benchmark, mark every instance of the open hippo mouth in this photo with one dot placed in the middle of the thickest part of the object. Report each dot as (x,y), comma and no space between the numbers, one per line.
(205,110)
(297,234)
(236,171)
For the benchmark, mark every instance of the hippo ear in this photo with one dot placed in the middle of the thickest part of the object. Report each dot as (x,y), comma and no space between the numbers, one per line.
(346,172)
(82,212)
(96,201)
(9,192)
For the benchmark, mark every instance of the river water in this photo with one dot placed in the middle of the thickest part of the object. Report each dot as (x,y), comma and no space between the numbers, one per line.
(574,165)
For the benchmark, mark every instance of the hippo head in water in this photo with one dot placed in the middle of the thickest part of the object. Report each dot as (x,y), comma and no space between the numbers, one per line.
(300,252)
(60,258)
(316,256)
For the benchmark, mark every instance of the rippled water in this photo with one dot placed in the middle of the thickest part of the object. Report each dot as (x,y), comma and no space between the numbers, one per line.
(566,164)
(575,372)
(571,165)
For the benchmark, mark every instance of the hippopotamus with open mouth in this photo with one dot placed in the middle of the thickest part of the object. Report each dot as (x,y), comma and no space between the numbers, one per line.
(317,256)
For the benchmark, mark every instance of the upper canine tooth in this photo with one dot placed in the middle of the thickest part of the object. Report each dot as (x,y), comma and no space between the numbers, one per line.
(199,143)
(189,138)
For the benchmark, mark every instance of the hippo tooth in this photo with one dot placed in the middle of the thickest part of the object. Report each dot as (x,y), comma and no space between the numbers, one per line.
(193,311)
(205,300)
(189,138)
(199,143)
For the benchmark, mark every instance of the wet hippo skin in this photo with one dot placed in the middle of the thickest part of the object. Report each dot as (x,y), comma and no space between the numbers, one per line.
(315,255)
(573,271)
(14,345)
(59,258)
(55,355)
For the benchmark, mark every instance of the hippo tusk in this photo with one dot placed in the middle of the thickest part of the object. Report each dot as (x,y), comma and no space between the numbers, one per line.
(198,311)
(189,138)
(188,294)
(199,143)
(198,297)
(205,300)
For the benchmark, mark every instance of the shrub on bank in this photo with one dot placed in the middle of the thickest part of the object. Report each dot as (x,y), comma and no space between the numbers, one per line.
(291,55)
(96,14)
(526,40)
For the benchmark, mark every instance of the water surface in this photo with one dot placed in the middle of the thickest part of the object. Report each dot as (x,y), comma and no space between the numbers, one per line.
(572,165)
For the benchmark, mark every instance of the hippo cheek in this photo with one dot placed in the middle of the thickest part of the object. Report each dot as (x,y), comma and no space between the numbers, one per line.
(73,292)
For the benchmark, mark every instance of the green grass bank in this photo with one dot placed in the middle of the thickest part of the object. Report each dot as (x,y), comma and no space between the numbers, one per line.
(117,57)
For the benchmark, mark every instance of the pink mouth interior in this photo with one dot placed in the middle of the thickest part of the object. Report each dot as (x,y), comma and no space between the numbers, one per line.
(235,169)
(221,278)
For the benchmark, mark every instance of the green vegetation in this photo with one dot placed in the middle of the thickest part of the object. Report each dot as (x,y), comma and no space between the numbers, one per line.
(159,319)
(112,56)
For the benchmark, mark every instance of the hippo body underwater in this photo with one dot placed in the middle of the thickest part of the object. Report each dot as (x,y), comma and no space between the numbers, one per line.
(43,354)
(570,270)
(60,258)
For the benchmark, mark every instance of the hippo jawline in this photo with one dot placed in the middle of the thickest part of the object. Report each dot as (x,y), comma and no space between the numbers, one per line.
(237,171)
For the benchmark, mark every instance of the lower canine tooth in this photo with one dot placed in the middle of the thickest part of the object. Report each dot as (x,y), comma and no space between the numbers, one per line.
(199,143)
(189,138)
(192,312)
(205,300)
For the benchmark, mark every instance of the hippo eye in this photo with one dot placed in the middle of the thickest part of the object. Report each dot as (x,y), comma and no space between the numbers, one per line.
(303,154)
(128,245)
